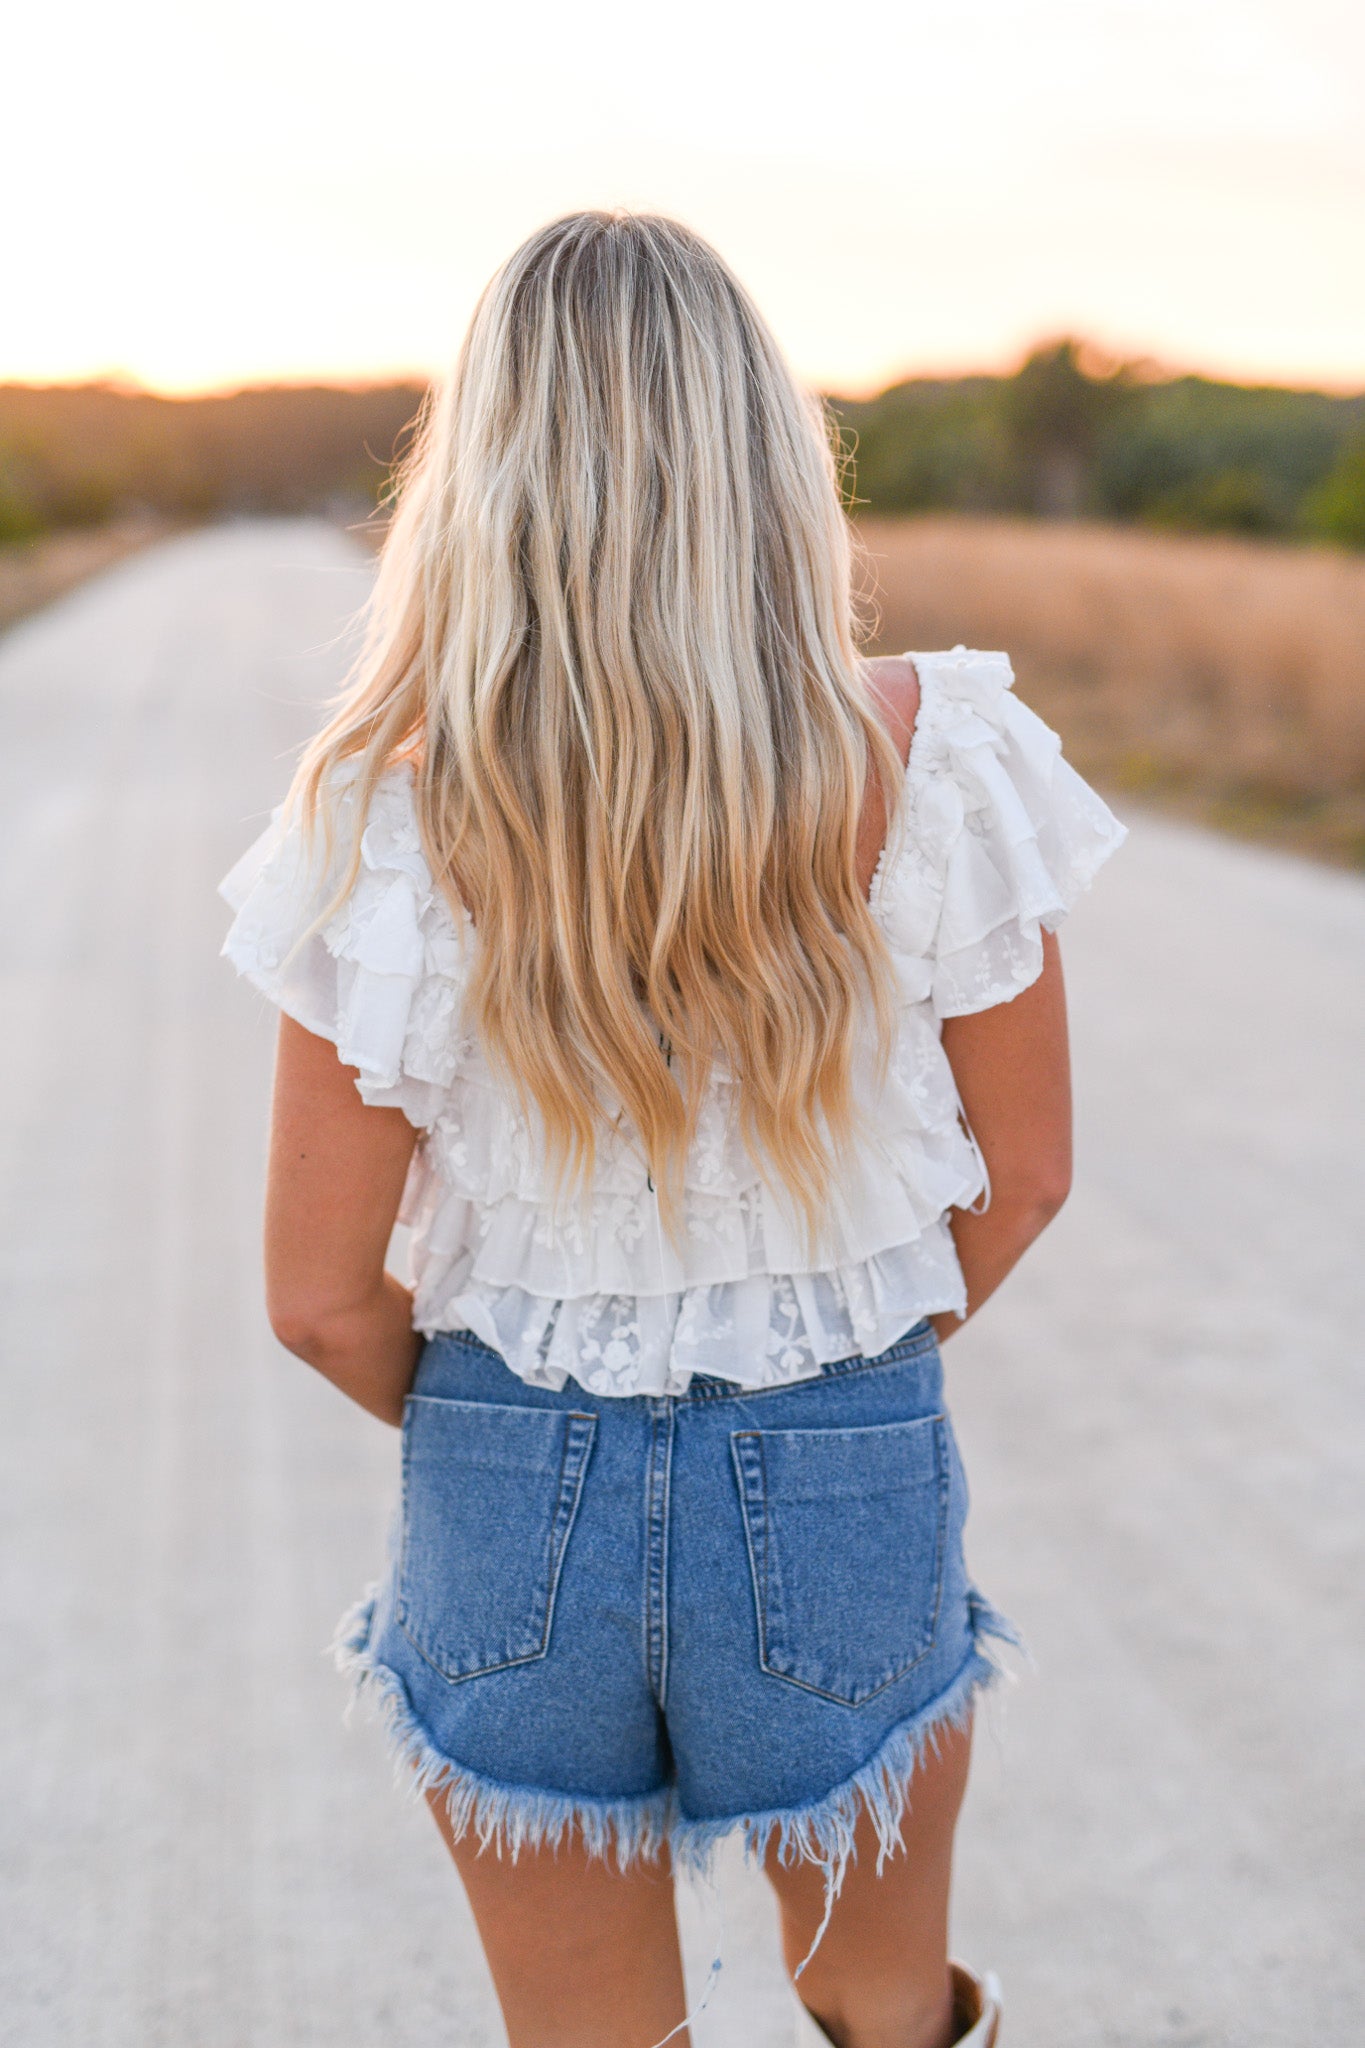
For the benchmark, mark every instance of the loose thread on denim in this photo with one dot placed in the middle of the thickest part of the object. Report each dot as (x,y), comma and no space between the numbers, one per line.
(514,1817)
(823,1833)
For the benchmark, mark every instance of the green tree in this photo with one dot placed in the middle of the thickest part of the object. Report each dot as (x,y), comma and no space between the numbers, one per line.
(20,515)
(1335,511)
(1229,501)
(1054,411)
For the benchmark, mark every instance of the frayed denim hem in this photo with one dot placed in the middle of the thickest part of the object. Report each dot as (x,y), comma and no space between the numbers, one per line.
(505,1818)
(822,1831)
(510,1818)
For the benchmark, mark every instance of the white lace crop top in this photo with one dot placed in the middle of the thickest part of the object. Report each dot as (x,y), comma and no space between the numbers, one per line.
(999,837)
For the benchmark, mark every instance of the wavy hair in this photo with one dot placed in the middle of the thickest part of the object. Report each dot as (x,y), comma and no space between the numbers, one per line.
(612,631)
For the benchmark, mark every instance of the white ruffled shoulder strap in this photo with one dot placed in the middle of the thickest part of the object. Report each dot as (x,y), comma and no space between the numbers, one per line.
(1001,836)
(384,977)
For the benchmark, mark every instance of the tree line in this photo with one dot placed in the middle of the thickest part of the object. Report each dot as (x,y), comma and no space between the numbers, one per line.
(78,455)
(1071,435)
(1067,435)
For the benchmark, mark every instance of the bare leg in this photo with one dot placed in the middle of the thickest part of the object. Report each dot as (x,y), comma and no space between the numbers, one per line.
(582,1954)
(879,1978)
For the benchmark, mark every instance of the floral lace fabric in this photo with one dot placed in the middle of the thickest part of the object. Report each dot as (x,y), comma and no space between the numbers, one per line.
(996,838)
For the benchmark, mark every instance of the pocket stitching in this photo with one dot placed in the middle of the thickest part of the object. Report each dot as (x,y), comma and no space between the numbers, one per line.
(568,1496)
(744,1457)
(749,1500)
(566,1511)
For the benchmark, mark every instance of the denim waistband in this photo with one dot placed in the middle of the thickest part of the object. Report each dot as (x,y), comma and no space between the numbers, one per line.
(917,1342)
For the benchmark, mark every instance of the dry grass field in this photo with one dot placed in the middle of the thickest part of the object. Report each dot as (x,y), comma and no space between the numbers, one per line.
(35,572)
(1223,678)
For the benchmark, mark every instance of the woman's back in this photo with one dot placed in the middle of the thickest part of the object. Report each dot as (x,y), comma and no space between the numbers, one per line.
(595,972)
(995,838)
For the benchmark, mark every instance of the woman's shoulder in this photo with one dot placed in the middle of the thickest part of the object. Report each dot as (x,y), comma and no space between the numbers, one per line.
(947,702)
(893,681)
(925,696)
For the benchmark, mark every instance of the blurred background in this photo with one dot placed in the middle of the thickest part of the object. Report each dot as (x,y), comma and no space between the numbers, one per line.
(1082,285)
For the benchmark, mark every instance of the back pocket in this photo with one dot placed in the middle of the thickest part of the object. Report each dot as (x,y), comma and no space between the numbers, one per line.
(847,1531)
(489,1500)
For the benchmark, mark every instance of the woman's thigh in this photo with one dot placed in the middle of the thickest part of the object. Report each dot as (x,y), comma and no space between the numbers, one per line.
(879,1974)
(582,1954)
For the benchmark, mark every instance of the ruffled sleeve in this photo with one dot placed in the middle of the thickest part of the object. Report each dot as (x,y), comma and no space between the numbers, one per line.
(383,978)
(1019,834)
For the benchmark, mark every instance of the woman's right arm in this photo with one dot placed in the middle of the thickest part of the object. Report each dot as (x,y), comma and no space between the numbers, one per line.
(337,1168)
(1013,1073)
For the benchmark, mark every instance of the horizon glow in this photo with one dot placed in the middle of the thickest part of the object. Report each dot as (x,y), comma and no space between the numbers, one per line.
(302,194)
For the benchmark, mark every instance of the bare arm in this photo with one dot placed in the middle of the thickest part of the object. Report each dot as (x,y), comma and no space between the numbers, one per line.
(336,1177)
(1013,1073)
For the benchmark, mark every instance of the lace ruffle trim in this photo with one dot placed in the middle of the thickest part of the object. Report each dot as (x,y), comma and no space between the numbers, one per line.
(997,838)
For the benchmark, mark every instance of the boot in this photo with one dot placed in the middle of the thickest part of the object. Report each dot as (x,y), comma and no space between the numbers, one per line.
(976,2007)
(976,2011)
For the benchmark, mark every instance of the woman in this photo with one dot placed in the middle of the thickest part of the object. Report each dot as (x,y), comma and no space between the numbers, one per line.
(688,984)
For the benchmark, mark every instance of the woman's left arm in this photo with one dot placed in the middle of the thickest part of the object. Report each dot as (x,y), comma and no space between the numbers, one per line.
(336,1177)
(1013,1073)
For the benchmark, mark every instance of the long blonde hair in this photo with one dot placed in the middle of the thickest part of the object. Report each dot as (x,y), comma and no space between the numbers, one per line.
(612,631)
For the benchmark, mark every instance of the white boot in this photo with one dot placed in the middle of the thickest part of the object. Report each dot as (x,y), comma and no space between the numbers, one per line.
(809,2032)
(976,2009)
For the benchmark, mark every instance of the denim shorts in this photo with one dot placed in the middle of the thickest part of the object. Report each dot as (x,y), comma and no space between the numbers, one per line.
(654,1621)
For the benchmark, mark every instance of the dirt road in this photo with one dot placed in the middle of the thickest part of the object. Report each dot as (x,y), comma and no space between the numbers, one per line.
(1163,1416)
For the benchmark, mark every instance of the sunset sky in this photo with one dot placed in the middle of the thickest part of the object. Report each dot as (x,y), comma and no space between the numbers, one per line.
(199,196)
